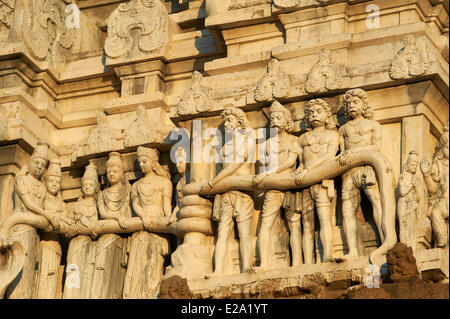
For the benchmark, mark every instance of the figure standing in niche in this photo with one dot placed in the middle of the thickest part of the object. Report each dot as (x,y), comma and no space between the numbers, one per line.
(359,134)
(50,247)
(181,169)
(436,178)
(283,160)
(151,197)
(82,248)
(234,204)
(111,252)
(317,146)
(408,203)
(29,196)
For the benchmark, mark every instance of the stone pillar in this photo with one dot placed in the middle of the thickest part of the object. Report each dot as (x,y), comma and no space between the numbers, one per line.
(193,258)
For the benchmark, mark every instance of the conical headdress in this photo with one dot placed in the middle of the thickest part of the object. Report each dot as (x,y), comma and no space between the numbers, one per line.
(149,152)
(115,159)
(90,173)
(41,151)
(54,169)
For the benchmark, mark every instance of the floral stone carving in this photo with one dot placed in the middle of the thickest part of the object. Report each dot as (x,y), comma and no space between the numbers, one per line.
(196,99)
(409,61)
(324,75)
(275,84)
(45,32)
(150,17)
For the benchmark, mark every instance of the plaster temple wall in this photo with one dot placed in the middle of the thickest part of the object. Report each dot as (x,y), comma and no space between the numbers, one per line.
(91,77)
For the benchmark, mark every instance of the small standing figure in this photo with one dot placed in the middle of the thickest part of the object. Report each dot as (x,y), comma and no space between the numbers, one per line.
(409,202)
(282,161)
(81,252)
(233,204)
(29,196)
(151,197)
(437,180)
(50,247)
(181,169)
(317,145)
(111,253)
(359,134)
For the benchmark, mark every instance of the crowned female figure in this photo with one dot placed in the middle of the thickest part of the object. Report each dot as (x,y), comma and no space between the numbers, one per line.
(81,253)
(151,197)
(111,252)
(50,246)
(29,195)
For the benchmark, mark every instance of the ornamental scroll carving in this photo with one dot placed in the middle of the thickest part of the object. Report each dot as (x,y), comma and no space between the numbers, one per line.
(324,75)
(409,61)
(6,15)
(196,99)
(275,84)
(150,17)
(45,32)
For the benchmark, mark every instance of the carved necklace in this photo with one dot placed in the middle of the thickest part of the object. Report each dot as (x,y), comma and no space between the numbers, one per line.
(114,200)
(354,133)
(87,209)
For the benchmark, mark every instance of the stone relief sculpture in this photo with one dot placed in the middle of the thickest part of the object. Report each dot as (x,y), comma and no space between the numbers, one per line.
(196,99)
(408,204)
(286,3)
(29,196)
(82,248)
(46,33)
(138,133)
(151,196)
(324,75)
(50,247)
(111,254)
(359,134)
(240,4)
(320,143)
(103,138)
(233,204)
(409,61)
(288,150)
(181,169)
(6,16)
(275,84)
(150,17)
(436,177)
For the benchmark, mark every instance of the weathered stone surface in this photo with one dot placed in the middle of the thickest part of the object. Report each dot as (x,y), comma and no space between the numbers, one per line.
(341,111)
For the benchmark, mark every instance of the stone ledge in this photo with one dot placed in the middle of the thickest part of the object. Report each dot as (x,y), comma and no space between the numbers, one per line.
(293,281)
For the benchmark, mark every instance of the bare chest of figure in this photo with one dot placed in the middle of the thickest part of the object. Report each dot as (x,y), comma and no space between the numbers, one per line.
(314,144)
(237,153)
(357,134)
(151,195)
(52,204)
